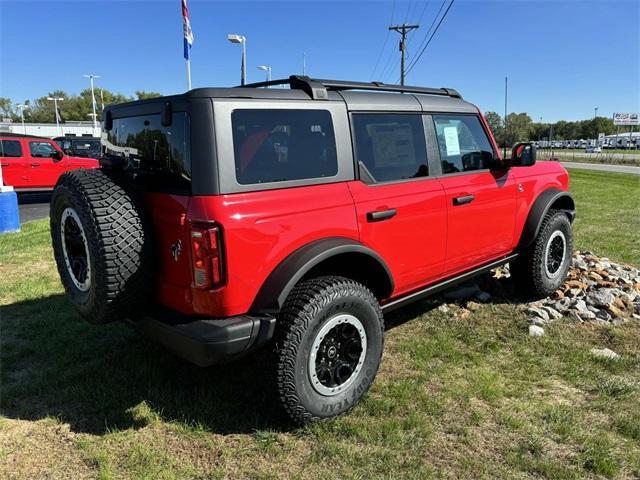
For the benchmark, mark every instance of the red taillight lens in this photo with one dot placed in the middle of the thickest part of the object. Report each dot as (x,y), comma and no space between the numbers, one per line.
(206,253)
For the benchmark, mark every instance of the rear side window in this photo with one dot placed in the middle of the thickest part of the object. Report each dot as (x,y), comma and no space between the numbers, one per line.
(281,145)
(160,155)
(10,148)
(41,149)
(391,146)
(463,143)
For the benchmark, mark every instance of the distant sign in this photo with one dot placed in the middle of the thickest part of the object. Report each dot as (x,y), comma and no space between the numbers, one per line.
(632,118)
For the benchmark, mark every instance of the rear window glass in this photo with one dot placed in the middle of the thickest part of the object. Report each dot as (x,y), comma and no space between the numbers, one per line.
(391,146)
(281,145)
(10,148)
(160,155)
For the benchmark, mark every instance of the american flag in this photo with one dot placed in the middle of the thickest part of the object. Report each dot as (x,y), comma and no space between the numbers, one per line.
(188,34)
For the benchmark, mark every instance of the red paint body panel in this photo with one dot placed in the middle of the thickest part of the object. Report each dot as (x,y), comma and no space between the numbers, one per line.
(535,180)
(259,230)
(483,229)
(428,239)
(412,242)
(28,172)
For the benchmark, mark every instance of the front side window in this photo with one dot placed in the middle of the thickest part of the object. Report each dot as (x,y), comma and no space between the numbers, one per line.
(281,145)
(159,154)
(463,143)
(391,146)
(41,149)
(10,148)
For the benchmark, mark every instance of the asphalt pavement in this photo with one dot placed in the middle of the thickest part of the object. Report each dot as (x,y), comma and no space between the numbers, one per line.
(603,167)
(33,206)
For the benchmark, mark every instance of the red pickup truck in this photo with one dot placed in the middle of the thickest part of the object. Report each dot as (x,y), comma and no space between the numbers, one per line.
(32,163)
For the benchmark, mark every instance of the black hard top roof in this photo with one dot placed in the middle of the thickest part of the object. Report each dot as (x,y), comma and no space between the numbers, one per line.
(305,88)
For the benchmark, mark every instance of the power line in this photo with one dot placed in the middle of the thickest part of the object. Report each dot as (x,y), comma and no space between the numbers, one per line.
(426,35)
(424,9)
(393,9)
(431,38)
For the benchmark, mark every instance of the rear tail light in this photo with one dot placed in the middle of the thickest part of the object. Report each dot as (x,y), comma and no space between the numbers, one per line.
(206,256)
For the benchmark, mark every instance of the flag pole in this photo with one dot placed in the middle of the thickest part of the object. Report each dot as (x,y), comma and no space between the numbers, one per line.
(187,39)
(188,74)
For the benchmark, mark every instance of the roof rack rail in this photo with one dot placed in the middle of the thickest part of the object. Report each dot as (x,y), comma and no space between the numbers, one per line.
(317,88)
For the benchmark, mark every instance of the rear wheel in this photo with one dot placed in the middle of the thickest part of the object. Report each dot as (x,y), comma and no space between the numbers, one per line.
(543,267)
(328,347)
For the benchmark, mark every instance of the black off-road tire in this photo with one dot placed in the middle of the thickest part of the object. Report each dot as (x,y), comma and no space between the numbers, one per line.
(312,305)
(117,237)
(529,272)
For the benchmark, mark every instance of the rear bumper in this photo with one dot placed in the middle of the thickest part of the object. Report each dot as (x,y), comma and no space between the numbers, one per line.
(206,342)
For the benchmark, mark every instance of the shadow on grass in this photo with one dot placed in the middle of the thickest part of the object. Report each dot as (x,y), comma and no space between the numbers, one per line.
(97,378)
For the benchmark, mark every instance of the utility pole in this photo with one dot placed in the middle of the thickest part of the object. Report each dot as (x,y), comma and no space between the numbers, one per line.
(403,30)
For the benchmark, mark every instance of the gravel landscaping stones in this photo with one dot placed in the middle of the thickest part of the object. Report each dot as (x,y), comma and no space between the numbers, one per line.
(597,291)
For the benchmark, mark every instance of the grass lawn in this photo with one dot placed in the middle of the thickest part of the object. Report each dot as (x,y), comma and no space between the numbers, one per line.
(458,394)
(608,214)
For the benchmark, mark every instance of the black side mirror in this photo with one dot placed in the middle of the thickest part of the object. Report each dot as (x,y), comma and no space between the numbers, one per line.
(523,154)
(56,155)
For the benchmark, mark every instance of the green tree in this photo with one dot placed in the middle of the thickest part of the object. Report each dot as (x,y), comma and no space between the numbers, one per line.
(6,108)
(496,126)
(142,95)
(518,128)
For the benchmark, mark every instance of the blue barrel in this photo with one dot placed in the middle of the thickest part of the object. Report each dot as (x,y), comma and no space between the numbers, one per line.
(9,218)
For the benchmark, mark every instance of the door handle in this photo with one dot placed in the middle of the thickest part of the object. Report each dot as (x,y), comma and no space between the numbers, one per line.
(35,164)
(463,200)
(380,215)
(4,164)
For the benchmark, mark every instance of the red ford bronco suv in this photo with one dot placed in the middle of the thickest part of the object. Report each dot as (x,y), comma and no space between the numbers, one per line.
(226,219)
(32,164)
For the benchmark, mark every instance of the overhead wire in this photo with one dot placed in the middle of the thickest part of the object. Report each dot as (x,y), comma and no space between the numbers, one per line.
(384,45)
(415,61)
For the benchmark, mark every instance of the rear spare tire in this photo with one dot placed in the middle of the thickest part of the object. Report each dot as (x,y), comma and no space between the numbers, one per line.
(102,245)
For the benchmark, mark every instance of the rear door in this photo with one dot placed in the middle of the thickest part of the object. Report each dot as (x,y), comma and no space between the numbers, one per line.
(400,208)
(14,163)
(481,203)
(43,169)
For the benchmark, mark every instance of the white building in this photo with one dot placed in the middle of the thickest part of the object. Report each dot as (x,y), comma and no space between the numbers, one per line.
(51,130)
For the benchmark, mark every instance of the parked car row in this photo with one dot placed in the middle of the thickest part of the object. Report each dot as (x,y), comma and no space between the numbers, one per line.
(591,144)
(32,163)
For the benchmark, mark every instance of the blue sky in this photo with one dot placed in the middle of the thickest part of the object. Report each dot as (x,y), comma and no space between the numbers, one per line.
(563,58)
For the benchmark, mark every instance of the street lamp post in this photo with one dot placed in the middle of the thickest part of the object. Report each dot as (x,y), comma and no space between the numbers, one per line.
(233,38)
(22,106)
(267,69)
(55,101)
(93,100)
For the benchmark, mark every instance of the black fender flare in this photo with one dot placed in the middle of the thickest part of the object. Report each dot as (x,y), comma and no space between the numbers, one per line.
(540,207)
(293,268)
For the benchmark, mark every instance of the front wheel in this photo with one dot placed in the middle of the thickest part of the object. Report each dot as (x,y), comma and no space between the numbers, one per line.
(328,347)
(543,267)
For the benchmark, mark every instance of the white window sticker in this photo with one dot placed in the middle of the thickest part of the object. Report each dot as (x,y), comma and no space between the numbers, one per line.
(451,140)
